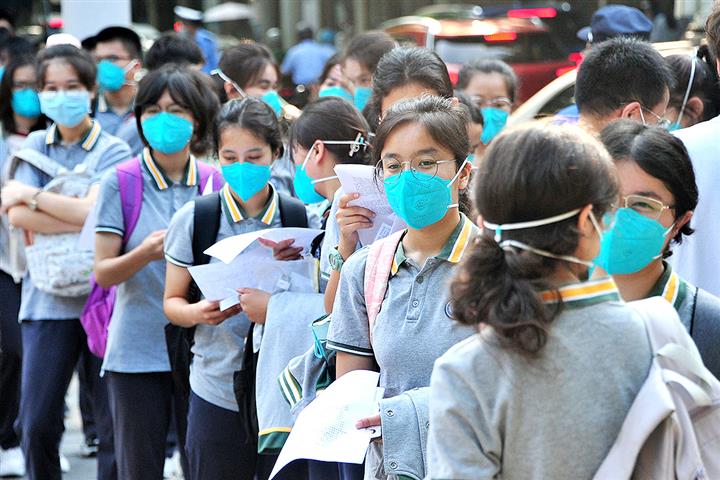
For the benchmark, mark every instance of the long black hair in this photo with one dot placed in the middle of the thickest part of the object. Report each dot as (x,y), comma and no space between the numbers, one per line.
(7,117)
(253,115)
(704,85)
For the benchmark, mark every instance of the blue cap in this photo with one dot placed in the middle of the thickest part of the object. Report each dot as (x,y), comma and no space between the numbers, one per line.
(614,21)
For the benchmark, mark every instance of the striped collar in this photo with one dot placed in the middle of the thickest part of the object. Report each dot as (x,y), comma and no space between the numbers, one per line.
(234,212)
(104,107)
(162,181)
(453,249)
(671,287)
(584,294)
(87,143)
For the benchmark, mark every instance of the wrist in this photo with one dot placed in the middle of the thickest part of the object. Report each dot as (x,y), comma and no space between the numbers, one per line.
(31,200)
(346,248)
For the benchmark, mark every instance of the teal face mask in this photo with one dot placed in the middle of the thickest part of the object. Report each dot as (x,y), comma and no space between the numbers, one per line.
(494,121)
(272,98)
(335,91)
(2,71)
(418,198)
(361,97)
(111,77)
(26,103)
(65,108)
(246,179)
(631,244)
(167,133)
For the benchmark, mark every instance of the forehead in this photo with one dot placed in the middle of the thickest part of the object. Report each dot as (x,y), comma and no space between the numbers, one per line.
(268,72)
(487,85)
(634,180)
(237,137)
(111,47)
(24,74)
(408,139)
(354,69)
(58,70)
(404,92)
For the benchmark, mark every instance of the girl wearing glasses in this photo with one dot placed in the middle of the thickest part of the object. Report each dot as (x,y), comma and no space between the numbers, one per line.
(420,151)
(658,196)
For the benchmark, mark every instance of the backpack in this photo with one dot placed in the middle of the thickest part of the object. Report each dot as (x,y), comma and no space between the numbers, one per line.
(377,273)
(95,316)
(672,429)
(179,340)
(55,263)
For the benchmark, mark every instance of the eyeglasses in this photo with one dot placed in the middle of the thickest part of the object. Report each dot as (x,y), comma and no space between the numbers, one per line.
(661,121)
(388,169)
(645,206)
(497,102)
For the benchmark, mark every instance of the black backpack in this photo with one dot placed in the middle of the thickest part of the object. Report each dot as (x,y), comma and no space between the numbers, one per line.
(179,340)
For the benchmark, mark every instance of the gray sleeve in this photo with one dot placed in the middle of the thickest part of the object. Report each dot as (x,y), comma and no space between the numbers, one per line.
(461,439)
(349,329)
(128,133)
(109,207)
(178,239)
(25,172)
(116,152)
(404,430)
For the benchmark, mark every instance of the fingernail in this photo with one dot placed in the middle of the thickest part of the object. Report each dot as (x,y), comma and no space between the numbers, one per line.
(356,195)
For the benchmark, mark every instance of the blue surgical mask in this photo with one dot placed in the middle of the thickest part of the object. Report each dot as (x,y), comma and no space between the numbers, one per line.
(418,198)
(166,132)
(272,98)
(246,179)
(361,97)
(470,158)
(111,77)
(494,121)
(66,108)
(631,244)
(336,91)
(26,103)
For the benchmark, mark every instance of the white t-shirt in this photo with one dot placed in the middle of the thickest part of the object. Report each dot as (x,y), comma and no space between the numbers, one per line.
(697,259)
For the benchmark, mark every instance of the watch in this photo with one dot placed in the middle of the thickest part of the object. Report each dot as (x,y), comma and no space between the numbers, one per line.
(336,259)
(34,200)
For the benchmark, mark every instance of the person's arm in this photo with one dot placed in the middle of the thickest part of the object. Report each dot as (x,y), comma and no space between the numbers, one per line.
(347,362)
(69,210)
(24,217)
(111,268)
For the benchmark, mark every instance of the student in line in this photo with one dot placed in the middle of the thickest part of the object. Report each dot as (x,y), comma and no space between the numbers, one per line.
(493,86)
(174,107)
(51,332)
(542,389)
(694,97)
(248,140)
(420,151)
(475,127)
(658,195)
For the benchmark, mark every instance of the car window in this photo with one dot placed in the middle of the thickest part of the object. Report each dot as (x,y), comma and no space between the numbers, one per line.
(561,100)
(523,48)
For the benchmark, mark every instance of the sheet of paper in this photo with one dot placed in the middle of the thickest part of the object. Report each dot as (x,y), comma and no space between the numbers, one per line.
(325,429)
(220,281)
(86,240)
(361,179)
(228,249)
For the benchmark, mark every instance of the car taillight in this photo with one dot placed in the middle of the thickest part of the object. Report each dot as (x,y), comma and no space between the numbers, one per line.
(55,23)
(501,37)
(575,57)
(532,13)
(178,26)
(454,75)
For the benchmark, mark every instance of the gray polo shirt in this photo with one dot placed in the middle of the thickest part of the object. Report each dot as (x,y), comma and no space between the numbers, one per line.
(496,413)
(218,349)
(136,340)
(35,304)
(122,126)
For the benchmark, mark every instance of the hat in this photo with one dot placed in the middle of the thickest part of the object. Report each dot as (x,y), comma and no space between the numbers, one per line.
(62,39)
(614,21)
(115,33)
(189,14)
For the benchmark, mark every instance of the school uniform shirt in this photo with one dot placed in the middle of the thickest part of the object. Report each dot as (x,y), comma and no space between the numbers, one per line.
(217,349)
(414,326)
(136,337)
(36,304)
(497,413)
(697,258)
(122,126)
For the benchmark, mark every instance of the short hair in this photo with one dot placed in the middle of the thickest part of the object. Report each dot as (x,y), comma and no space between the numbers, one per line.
(471,108)
(712,30)
(244,63)
(659,154)
(129,39)
(619,71)
(78,59)
(16,47)
(187,88)
(6,15)
(368,48)
(173,48)
(489,65)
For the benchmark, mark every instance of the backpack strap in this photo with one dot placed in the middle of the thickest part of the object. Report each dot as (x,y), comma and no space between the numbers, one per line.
(206,226)
(210,178)
(38,160)
(377,274)
(130,183)
(292,212)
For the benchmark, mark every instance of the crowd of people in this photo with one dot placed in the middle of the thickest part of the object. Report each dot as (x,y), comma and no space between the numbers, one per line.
(512,321)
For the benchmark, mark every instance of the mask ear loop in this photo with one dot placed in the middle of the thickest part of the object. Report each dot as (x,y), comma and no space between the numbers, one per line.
(307,158)
(457,175)
(227,79)
(693,59)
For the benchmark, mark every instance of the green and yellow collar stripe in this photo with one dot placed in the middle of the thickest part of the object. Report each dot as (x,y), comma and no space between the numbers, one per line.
(234,212)
(162,181)
(671,287)
(583,294)
(87,143)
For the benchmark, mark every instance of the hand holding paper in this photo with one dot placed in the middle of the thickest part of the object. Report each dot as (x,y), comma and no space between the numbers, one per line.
(227,249)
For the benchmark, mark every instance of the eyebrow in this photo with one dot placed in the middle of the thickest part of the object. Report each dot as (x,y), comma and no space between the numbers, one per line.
(245,152)
(649,195)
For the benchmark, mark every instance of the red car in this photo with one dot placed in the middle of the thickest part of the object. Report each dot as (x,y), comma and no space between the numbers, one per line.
(525,43)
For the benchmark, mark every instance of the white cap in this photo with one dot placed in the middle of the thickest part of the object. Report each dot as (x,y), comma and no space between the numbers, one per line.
(189,14)
(62,39)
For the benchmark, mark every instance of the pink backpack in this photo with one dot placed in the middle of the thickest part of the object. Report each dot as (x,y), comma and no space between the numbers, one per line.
(95,317)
